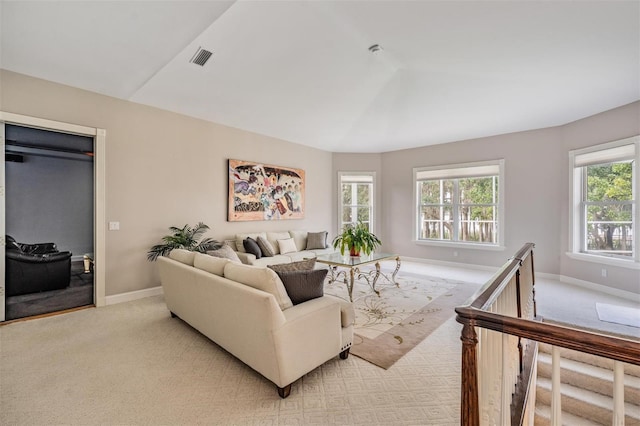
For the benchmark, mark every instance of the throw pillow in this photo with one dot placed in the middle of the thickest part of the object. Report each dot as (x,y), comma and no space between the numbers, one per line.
(317,240)
(287,246)
(225,252)
(211,264)
(260,278)
(266,247)
(304,285)
(300,237)
(251,246)
(273,238)
(303,265)
(182,256)
(241,237)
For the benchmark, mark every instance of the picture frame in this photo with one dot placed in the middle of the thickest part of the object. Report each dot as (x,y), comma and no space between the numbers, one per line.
(259,191)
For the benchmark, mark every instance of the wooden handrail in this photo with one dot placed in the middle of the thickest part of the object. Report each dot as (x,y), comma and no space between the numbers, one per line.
(477,313)
(616,348)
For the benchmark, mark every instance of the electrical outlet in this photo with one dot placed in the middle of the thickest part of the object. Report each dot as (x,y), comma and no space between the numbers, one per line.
(604,272)
(114,226)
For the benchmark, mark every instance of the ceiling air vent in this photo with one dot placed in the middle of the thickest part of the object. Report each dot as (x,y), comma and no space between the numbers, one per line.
(201,57)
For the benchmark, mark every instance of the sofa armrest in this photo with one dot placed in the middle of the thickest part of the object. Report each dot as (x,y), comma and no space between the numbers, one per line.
(246,258)
(310,336)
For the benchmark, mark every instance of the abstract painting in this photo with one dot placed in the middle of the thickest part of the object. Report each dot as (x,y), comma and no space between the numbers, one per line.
(264,192)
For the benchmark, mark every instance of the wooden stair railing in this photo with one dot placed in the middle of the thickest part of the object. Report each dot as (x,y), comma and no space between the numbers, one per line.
(500,334)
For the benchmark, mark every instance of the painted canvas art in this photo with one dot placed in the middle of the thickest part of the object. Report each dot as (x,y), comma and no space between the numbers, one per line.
(264,192)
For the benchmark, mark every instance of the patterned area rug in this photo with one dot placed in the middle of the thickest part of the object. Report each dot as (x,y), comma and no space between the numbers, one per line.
(390,325)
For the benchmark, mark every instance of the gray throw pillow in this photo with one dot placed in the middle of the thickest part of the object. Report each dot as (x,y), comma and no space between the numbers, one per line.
(266,247)
(316,240)
(303,265)
(303,285)
(226,252)
(251,246)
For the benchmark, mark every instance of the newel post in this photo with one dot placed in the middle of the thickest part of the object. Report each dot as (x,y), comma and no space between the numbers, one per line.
(470,410)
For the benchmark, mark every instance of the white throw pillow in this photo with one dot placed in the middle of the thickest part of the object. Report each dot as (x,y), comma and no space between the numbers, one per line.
(182,256)
(261,278)
(211,264)
(273,238)
(287,246)
(300,237)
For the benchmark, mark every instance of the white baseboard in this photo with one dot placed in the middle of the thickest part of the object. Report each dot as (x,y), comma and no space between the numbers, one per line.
(133,295)
(562,278)
(452,264)
(624,294)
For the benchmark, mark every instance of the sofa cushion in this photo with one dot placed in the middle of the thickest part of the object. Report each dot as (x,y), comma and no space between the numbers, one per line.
(304,285)
(225,252)
(316,240)
(241,237)
(211,264)
(278,259)
(266,247)
(260,278)
(273,238)
(251,246)
(303,265)
(182,256)
(287,246)
(300,237)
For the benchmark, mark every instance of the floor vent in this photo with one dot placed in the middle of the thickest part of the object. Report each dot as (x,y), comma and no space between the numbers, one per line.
(201,57)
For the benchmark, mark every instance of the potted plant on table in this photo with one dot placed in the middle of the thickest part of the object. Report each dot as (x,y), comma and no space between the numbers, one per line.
(184,238)
(357,238)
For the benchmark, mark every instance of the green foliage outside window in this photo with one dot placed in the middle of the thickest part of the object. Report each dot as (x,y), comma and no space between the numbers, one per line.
(609,204)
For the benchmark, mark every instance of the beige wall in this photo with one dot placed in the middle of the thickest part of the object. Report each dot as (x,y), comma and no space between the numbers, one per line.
(166,169)
(536,194)
(608,126)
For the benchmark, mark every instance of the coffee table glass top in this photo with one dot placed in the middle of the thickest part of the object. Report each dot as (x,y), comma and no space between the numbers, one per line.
(346,260)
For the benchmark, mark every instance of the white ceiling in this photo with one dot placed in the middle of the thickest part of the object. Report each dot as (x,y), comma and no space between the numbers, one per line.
(301,70)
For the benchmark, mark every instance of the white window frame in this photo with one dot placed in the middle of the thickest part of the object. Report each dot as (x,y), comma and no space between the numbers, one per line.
(372,202)
(596,154)
(450,171)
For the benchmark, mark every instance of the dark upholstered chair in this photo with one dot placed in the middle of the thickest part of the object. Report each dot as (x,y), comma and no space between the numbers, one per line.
(32,268)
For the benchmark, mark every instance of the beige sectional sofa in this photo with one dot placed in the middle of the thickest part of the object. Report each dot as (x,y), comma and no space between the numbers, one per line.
(300,238)
(246,310)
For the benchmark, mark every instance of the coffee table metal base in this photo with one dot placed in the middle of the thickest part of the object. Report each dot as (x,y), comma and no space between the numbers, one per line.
(353,272)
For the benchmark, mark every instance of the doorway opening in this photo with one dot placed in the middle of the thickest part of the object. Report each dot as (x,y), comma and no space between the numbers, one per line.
(49,211)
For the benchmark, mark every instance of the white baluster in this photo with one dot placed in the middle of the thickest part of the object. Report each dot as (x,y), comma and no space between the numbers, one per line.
(505,409)
(556,409)
(618,394)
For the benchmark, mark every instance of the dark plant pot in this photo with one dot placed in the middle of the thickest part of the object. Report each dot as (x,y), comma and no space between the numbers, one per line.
(353,252)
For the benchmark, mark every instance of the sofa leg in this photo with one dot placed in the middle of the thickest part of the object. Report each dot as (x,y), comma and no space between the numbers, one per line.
(285,391)
(344,354)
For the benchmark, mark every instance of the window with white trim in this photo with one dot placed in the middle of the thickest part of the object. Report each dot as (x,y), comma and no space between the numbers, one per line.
(460,203)
(605,209)
(356,199)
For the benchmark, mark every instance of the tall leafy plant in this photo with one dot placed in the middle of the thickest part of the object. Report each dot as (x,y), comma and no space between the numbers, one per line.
(184,238)
(357,238)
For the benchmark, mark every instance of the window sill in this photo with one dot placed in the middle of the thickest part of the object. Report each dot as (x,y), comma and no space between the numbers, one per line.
(629,264)
(458,244)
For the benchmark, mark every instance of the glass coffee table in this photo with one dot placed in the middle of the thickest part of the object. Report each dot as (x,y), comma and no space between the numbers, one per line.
(352,264)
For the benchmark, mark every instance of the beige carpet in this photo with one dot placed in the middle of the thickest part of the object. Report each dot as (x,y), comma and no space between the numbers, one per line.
(131,364)
(392,323)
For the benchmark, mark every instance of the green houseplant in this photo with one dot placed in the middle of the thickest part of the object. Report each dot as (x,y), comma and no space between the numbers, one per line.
(184,238)
(356,238)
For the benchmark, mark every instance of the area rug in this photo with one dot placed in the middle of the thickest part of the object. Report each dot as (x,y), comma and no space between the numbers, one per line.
(390,325)
(618,314)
